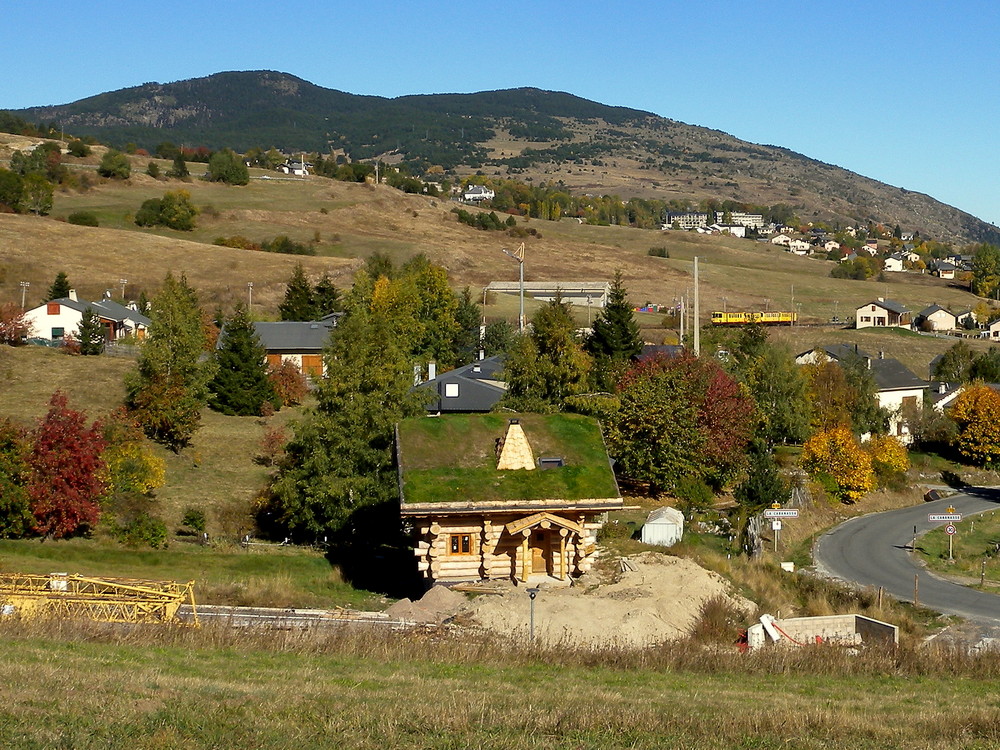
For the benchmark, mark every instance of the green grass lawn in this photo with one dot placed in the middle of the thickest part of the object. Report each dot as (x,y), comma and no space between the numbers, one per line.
(227,574)
(977,540)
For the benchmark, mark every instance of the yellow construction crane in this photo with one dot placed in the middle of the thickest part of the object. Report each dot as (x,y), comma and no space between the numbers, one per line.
(75,597)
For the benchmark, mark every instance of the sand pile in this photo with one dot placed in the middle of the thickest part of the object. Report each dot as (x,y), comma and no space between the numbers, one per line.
(434,607)
(657,600)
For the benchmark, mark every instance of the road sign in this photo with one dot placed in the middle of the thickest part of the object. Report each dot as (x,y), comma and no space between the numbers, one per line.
(944,517)
(776,525)
(781,513)
(949,529)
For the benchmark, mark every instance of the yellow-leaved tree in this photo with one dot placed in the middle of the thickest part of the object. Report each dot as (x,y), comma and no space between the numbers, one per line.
(977,415)
(889,456)
(836,453)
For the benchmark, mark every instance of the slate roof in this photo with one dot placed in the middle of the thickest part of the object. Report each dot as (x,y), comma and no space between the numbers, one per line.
(478,387)
(298,336)
(897,307)
(106,308)
(928,311)
(891,375)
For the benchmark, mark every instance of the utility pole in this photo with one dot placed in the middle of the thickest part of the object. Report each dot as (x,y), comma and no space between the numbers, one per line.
(250,296)
(24,288)
(681,314)
(123,282)
(697,311)
(518,255)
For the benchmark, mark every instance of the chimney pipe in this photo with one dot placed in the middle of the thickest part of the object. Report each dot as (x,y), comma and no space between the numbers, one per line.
(431,370)
(72,295)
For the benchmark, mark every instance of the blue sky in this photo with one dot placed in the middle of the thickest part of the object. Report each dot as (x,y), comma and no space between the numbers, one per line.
(904,92)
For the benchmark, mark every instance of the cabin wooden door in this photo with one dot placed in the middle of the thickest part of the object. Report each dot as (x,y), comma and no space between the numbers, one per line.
(540,551)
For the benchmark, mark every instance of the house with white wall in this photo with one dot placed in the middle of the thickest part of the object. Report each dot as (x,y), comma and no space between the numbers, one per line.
(883,312)
(59,319)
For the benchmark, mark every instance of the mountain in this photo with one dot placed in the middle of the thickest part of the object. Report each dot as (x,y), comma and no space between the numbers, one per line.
(526,133)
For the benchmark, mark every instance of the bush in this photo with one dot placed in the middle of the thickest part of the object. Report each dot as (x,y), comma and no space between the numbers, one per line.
(194,520)
(237,241)
(83,218)
(153,170)
(694,494)
(115,164)
(615,530)
(288,383)
(143,530)
(284,244)
(658,252)
(78,148)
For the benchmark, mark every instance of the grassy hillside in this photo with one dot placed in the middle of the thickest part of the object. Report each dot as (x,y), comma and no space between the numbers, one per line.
(534,134)
(345,222)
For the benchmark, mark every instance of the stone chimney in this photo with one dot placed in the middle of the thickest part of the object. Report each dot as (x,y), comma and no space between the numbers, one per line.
(513,450)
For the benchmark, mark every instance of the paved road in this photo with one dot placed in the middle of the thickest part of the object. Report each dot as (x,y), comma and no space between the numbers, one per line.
(873,550)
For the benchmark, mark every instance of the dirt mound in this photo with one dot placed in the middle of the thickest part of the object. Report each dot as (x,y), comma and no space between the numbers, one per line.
(435,606)
(656,599)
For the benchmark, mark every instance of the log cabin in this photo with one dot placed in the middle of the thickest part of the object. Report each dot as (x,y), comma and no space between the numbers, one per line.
(499,496)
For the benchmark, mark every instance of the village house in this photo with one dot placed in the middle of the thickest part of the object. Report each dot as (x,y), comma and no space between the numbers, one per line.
(883,313)
(515,497)
(298,342)
(799,247)
(945,269)
(894,263)
(295,167)
(780,239)
(831,245)
(936,318)
(475,387)
(477,194)
(60,319)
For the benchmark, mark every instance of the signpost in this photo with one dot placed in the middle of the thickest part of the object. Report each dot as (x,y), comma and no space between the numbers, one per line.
(950,531)
(949,517)
(775,513)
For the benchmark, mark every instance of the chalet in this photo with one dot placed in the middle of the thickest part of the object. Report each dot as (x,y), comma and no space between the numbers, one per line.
(966,319)
(488,496)
(936,318)
(298,342)
(476,387)
(799,247)
(60,319)
(477,194)
(992,331)
(945,269)
(883,313)
(780,239)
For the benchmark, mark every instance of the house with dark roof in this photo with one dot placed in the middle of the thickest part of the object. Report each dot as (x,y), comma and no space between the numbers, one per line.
(835,352)
(936,318)
(883,312)
(476,387)
(60,319)
(900,392)
(298,342)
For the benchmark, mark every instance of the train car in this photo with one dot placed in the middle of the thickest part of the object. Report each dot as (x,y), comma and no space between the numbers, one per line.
(766,318)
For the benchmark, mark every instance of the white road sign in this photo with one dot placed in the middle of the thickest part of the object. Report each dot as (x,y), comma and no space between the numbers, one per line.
(781,513)
(944,517)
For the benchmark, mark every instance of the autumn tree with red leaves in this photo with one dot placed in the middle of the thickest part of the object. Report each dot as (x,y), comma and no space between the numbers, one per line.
(13,326)
(66,471)
(679,418)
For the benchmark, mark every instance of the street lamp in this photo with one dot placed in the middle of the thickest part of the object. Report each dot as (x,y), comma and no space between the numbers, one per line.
(532,593)
(123,282)
(249,296)
(24,288)
(518,255)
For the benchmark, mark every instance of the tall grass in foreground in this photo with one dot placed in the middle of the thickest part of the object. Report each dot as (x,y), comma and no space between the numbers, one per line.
(89,686)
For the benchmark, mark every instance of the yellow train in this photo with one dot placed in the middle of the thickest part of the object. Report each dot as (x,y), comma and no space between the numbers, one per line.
(768,318)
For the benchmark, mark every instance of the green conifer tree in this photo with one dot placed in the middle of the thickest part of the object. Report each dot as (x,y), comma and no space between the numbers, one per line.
(169,387)
(326,297)
(60,287)
(91,333)
(241,386)
(614,339)
(299,302)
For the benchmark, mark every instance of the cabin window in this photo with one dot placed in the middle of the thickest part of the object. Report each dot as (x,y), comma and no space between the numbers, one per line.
(460,544)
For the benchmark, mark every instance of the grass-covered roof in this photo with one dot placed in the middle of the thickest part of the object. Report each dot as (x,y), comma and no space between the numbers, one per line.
(452,458)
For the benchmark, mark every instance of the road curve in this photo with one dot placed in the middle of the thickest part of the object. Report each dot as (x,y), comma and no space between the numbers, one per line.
(873,550)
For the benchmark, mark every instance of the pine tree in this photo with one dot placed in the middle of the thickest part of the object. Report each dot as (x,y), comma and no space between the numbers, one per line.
(91,333)
(299,303)
(60,287)
(326,297)
(615,331)
(168,388)
(468,316)
(179,169)
(241,386)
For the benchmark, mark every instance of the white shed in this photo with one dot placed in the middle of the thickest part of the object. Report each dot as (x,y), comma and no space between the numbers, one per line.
(664,526)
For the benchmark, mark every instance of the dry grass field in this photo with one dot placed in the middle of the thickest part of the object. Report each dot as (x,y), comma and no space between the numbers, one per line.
(90,687)
(345,222)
